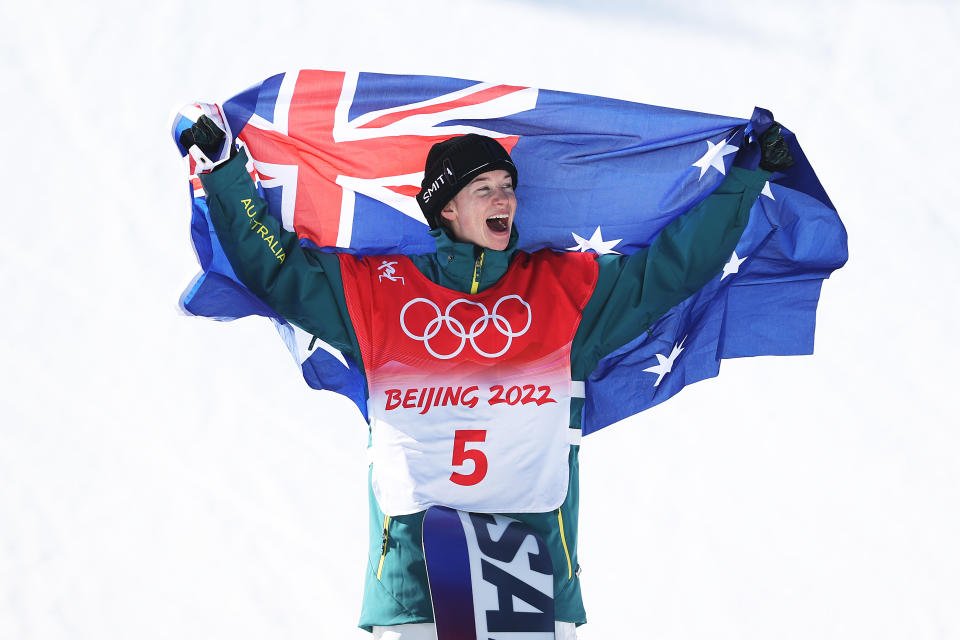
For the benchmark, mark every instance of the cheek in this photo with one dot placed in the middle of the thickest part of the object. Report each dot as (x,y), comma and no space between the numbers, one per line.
(477,214)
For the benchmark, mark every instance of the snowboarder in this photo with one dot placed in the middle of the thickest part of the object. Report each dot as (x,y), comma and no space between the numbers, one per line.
(471,352)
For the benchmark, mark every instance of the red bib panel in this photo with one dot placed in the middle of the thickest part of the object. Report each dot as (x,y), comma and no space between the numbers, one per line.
(469,393)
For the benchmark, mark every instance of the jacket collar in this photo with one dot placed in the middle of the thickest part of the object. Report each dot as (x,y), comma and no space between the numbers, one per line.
(457,259)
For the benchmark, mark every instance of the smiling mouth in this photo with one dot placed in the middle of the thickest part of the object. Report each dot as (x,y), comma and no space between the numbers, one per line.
(499,224)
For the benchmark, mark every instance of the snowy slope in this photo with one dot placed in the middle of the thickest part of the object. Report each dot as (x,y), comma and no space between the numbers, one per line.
(170,477)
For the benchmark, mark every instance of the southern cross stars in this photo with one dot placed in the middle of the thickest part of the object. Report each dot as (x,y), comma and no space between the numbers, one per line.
(665,363)
(596,243)
(733,266)
(766,191)
(714,157)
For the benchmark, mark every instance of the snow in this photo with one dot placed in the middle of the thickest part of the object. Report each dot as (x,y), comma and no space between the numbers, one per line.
(170,477)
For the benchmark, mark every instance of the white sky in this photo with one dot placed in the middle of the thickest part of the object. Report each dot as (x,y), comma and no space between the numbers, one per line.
(169,477)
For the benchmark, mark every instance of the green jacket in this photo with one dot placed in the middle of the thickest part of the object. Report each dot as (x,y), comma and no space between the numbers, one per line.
(632,292)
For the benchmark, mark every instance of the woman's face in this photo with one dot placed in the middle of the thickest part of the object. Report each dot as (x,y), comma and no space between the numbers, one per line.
(482,212)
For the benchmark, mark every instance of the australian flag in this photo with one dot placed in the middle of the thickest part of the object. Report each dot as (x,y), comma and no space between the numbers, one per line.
(339,157)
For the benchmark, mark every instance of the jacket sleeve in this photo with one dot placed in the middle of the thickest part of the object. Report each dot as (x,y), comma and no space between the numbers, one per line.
(634,291)
(305,287)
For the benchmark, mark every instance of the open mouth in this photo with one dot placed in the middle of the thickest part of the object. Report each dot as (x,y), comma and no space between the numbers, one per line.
(499,224)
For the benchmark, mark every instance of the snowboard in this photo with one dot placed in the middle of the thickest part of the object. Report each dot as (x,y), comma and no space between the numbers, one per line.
(490,577)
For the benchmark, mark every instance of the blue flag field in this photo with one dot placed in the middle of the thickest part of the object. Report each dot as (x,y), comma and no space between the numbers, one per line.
(339,157)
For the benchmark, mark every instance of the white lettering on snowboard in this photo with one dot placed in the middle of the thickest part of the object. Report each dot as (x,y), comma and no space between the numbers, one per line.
(512,578)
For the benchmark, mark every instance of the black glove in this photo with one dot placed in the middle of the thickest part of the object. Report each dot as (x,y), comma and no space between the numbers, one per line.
(205,134)
(774,154)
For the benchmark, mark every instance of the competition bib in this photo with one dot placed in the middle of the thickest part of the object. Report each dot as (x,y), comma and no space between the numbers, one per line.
(469,393)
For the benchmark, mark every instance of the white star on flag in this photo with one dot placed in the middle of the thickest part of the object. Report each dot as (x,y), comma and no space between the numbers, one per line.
(766,191)
(733,266)
(714,157)
(665,363)
(596,243)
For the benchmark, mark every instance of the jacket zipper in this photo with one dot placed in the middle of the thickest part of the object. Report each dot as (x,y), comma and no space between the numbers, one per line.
(478,265)
(383,545)
(563,539)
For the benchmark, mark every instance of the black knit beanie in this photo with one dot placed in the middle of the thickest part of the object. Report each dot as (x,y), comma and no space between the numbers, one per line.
(452,164)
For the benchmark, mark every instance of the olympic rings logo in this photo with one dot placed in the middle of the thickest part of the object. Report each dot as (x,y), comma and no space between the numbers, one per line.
(477,327)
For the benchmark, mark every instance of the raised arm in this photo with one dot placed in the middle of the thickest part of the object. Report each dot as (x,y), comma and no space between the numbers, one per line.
(634,291)
(304,287)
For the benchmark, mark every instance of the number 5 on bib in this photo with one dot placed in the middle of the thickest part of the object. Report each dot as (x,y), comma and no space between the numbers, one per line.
(461,454)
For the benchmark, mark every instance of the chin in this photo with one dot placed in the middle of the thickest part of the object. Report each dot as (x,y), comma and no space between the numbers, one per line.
(498,244)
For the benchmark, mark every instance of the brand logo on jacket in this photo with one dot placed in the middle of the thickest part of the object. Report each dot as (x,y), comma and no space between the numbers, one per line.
(485,326)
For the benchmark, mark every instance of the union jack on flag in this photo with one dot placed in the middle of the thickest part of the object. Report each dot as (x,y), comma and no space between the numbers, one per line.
(339,157)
